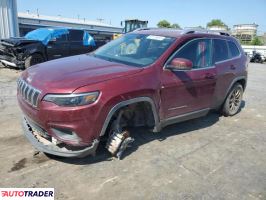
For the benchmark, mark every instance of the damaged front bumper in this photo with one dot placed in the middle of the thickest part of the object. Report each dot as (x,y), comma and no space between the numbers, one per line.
(44,145)
(11,61)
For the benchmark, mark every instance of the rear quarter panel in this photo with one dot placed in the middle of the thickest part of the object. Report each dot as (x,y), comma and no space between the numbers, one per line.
(229,72)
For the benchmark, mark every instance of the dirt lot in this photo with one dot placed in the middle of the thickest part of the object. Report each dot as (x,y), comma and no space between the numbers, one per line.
(209,158)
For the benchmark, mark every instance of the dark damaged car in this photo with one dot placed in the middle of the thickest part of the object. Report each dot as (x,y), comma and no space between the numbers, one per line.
(44,44)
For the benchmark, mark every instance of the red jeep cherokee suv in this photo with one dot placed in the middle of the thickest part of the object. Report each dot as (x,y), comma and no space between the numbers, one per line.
(150,77)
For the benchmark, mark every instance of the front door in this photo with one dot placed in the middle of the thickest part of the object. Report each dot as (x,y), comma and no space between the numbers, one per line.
(192,90)
(58,47)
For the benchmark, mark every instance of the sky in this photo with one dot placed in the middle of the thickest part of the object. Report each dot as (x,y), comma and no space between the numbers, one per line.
(187,13)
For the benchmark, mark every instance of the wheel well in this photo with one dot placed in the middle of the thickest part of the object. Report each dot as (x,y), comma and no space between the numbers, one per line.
(139,114)
(38,53)
(35,53)
(242,82)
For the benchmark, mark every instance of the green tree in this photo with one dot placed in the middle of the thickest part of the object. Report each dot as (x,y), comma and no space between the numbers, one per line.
(175,25)
(216,22)
(256,41)
(164,24)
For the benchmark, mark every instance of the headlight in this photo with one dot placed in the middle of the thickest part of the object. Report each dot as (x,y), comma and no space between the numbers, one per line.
(72,99)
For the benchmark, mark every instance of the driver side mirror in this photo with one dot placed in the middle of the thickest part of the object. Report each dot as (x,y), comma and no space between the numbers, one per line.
(180,64)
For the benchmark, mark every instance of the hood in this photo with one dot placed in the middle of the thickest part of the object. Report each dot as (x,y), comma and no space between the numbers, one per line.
(67,74)
(12,42)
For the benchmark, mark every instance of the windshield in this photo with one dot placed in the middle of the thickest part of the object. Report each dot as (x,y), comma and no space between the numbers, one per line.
(135,49)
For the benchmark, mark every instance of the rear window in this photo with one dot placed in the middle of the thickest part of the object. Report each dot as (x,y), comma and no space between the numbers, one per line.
(75,35)
(234,51)
(220,50)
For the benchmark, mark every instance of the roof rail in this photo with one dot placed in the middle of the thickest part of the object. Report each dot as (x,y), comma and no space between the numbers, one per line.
(156,28)
(190,31)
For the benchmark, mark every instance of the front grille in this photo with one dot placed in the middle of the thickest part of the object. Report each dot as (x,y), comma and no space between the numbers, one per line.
(29,93)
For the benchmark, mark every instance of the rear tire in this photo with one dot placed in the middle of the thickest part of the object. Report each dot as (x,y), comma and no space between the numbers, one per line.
(233,101)
(33,60)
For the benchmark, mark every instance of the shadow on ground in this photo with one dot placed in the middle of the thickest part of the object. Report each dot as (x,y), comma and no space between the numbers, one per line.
(143,136)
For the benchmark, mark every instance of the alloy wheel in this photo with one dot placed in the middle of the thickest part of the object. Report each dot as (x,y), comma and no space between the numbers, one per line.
(235,100)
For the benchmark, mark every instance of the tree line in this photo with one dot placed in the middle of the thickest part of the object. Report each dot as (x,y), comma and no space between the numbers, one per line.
(215,22)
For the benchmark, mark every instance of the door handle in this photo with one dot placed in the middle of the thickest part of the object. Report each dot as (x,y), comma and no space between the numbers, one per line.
(232,67)
(209,76)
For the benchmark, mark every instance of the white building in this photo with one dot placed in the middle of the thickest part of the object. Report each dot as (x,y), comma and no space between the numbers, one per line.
(245,32)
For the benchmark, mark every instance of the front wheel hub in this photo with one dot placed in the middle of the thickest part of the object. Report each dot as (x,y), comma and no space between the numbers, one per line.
(118,142)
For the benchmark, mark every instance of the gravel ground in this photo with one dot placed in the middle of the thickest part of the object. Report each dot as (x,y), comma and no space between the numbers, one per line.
(208,158)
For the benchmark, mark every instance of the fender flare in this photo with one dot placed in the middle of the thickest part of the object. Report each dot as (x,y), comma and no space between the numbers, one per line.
(235,80)
(232,84)
(128,102)
(35,52)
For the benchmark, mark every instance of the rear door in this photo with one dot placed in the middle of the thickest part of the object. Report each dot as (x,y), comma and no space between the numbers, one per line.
(58,47)
(76,42)
(192,90)
(226,63)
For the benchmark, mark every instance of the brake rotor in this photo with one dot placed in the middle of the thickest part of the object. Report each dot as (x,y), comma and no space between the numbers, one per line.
(118,142)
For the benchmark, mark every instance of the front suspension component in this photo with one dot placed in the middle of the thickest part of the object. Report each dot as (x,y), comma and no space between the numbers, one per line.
(118,140)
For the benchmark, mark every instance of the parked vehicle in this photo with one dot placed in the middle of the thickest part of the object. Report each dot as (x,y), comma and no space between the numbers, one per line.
(44,44)
(130,25)
(257,58)
(152,78)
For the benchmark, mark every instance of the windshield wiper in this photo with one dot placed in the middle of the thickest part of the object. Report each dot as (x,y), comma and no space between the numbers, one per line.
(104,58)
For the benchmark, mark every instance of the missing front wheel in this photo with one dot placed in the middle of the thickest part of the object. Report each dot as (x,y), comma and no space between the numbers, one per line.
(118,140)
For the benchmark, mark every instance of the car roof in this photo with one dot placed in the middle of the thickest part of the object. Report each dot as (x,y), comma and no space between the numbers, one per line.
(167,32)
(62,27)
(177,33)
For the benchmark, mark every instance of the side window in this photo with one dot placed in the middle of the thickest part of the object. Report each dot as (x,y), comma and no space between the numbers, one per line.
(234,51)
(76,35)
(198,52)
(220,50)
(62,38)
